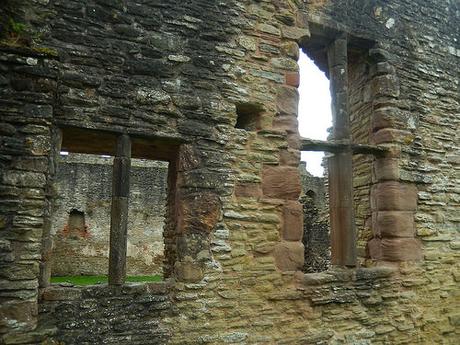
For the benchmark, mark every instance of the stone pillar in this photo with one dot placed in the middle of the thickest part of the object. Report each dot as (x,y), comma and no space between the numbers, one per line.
(119,211)
(343,238)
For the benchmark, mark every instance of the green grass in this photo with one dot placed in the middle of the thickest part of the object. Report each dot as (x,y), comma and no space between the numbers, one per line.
(92,280)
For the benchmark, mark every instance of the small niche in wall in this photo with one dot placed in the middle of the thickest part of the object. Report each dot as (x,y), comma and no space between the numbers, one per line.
(248,116)
(76,223)
(311,194)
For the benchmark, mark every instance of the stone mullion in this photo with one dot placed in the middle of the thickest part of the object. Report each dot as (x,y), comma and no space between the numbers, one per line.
(119,211)
(343,237)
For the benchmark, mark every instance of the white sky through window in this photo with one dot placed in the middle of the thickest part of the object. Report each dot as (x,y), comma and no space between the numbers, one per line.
(314,110)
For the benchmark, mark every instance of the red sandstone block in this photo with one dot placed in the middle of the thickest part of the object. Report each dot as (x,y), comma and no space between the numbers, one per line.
(198,212)
(390,135)
(395,249)
(387,117)
(393,196)
(248,190)
(286,123)
(292,221)
(292,79)
(290,157)
(386,169)
(393,224)
(293,140)
(281,182)
(287,101)
(289,256)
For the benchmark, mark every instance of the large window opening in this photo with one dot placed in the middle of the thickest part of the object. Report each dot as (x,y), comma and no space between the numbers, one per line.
(315,121)
(315,118)
(111,212)
(348,151)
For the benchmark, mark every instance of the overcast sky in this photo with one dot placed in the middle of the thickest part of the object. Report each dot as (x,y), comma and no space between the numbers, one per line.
(314,110)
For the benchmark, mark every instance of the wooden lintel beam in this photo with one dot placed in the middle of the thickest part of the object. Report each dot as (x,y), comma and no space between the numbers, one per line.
(335,146)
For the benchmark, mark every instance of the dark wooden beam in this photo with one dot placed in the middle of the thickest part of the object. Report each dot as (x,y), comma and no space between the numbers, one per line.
(343,246)
(83,140)
(119,211)
(336,146)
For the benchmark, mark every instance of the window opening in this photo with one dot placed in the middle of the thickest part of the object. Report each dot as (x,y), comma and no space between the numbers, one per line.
(315,121)
(333,54)
(315,116)
(99,195)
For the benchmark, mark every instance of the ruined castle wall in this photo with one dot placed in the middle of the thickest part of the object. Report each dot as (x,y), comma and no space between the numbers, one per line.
(361,108)
(83,183)
(92,315)
(183,73)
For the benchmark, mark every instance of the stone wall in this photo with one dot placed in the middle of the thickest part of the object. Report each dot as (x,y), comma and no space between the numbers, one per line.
(83,183)
(316,239)
(106,315)
(177,78)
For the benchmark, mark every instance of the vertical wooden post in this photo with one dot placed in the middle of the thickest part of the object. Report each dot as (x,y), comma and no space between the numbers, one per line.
(119,211)
(47,240)
(343,235)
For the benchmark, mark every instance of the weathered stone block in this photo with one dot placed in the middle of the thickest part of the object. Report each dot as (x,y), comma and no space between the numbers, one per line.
(292,79)
(390,135)
(386,169)
(281,182)
(294,141)
(295,33)
(59,293)
(188,158)
(188,271)
(18,315)
(291,49)
(289,157)
(287,101)
(394,196)
(385,85)
(248,190)
(289,256)
(395,249)
(393,224)
(198,212)
(286,123)
(292,221)
(387,117)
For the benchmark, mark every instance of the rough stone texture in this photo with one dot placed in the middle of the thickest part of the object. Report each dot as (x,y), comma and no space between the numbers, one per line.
(106,315)
(83,183)
(289,256)
(281,183)
(172,75)
(394,196)
(292,221)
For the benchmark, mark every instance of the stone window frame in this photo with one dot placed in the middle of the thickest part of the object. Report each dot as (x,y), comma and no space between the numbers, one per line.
(123,147)
(392,215)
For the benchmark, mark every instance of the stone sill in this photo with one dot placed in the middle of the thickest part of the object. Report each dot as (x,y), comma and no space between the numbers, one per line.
(343,275)
(57,292)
